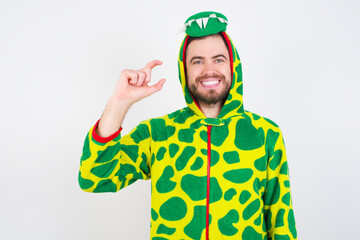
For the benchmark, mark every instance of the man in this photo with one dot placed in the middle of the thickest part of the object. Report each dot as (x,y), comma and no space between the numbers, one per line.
(218,171)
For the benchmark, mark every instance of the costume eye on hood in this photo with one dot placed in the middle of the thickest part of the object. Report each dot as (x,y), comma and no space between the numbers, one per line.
(203,24)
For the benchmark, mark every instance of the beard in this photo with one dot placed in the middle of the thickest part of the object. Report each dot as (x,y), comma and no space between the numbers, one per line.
(212,96)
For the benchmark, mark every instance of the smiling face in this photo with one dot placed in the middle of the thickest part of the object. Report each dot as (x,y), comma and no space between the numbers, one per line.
(208,70)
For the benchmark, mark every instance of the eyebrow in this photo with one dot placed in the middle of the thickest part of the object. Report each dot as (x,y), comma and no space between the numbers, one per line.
(196,57)
(202,58)
(219,55)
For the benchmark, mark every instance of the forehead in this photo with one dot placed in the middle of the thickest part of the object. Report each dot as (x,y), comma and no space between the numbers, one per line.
(206,47)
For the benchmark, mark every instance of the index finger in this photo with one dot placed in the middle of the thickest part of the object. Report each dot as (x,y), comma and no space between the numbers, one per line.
(148,68)
(152,64)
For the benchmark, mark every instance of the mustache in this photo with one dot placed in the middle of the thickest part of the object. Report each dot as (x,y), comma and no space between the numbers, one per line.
(206,76)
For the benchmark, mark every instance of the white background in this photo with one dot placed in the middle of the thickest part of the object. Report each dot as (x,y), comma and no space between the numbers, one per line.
(60,61)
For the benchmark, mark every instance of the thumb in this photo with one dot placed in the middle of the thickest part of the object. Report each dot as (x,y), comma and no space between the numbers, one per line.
(156,87)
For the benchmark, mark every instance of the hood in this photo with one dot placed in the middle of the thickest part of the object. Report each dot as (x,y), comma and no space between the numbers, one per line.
(203,24)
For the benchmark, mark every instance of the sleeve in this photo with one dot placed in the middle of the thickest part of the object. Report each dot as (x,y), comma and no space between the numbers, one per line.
(110,164)
(278,211)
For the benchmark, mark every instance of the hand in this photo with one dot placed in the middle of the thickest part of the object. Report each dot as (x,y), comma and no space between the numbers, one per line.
(131,87)
(133,84)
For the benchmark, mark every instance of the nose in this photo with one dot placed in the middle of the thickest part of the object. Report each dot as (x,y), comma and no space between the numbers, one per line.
(209,68)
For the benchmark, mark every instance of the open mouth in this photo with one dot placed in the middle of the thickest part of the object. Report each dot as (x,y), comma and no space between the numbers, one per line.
(210,83)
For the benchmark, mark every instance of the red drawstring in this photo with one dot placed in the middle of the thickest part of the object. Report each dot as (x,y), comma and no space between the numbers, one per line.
(208,179)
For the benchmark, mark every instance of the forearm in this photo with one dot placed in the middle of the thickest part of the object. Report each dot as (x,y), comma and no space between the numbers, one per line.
(113,117)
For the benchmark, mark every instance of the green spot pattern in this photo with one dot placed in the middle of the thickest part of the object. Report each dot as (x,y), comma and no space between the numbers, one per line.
(194,186)
(214,156)
(164,184)
(271,122)
(260,164)
(215,191)
(226,223)
(104,170)
(272,193)
(162,229)
(256,117)
(279,222)
(257,221)
(244,196)
(126,169)
(173,209)
(131,150)
(86,149)
(108,154)
(271,138)
(159,131)
(275,161)
(197,164)
(228,107)
(188,97)
(204,136)
(186,135)
(287,183)
(154,215)
(141,133)
(251,209)
(161,153)
(229,194)
(239,175)
(284,168)
(231,157)
(173,149)
(281,237)
(257,185)
(219,134)
(152,159)
(143,165)
(105,185)
(85,183)
(267,217)
(286,199)
(198,223)
(247,137)
(291,222)
(251,234)
(183,116)
(184,157)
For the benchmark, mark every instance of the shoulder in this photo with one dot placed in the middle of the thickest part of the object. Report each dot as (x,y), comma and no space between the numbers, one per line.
(270,131)
(179,116)
(261,122)
(159,123)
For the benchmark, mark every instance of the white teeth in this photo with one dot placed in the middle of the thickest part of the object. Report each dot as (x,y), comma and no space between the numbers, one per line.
(199,22)
(207,83)
(205,20)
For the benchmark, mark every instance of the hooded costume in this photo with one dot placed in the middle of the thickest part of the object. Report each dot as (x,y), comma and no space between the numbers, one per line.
(211,178)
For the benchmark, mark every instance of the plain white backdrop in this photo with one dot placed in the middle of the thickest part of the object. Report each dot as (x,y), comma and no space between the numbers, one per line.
(59,64)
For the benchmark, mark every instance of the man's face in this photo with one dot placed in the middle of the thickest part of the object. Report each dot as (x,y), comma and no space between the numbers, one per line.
(208,70)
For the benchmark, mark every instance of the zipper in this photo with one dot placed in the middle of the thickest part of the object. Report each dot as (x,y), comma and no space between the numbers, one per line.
(208,179)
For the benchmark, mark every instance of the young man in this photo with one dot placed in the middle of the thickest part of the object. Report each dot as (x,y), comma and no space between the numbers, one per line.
(218,171)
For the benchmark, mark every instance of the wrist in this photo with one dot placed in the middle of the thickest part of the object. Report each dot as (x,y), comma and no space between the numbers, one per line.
(119,103)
